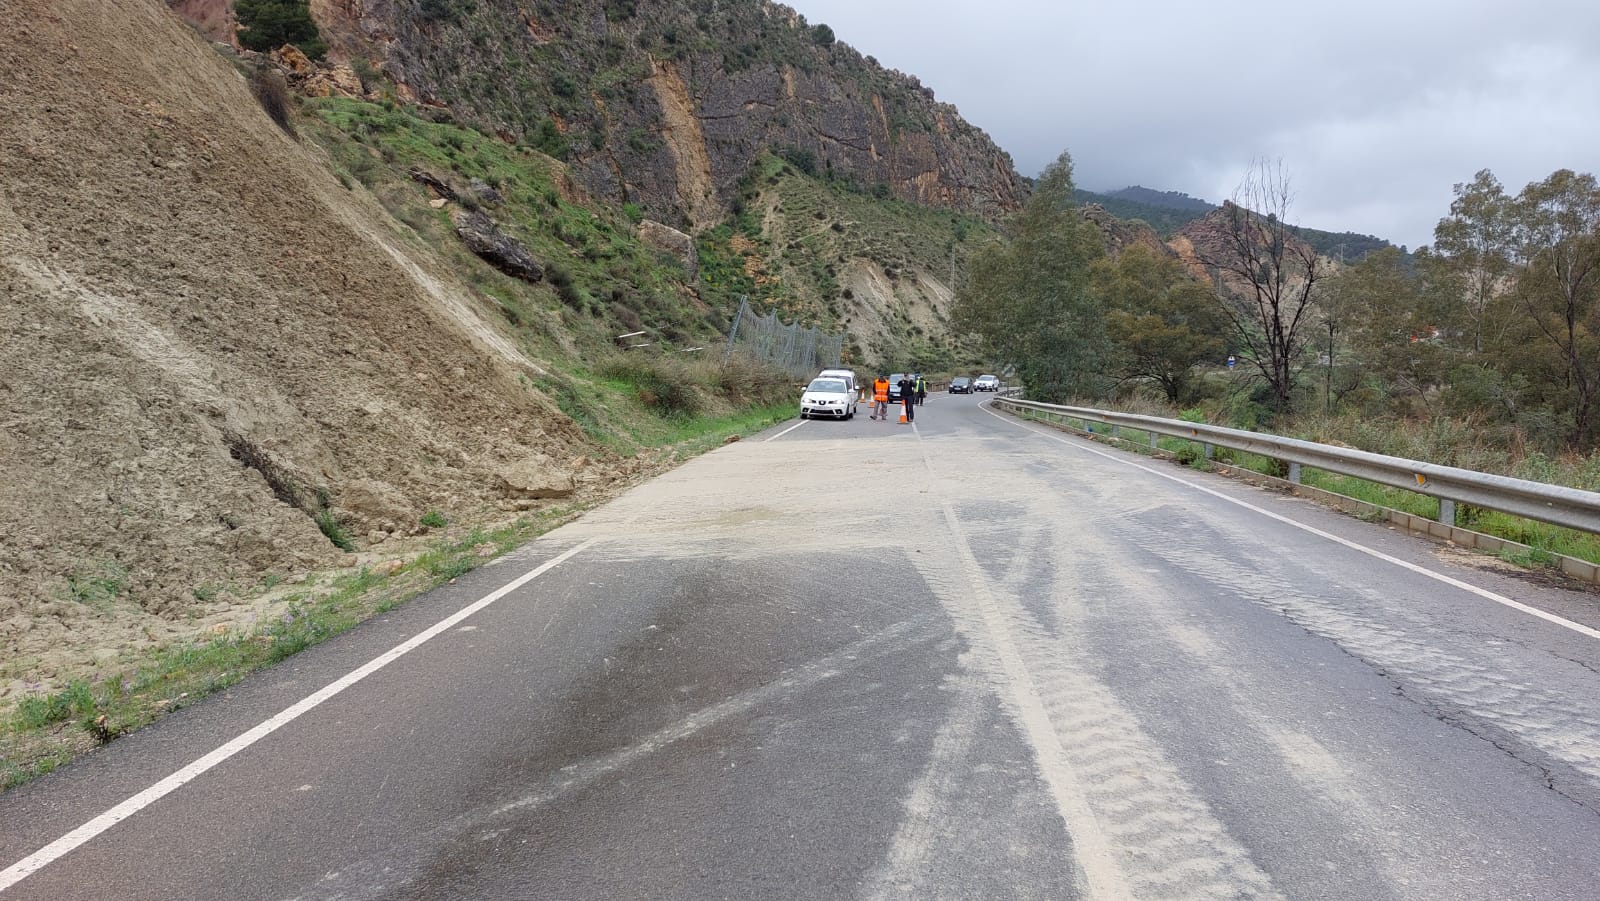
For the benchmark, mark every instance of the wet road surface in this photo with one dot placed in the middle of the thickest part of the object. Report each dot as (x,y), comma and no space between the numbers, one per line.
(969,658)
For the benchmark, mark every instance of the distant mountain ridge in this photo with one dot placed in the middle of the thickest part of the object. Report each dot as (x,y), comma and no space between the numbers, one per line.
(1176,200)
(1169,211)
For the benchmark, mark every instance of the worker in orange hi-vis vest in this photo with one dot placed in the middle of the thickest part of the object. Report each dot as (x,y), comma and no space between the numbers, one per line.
(880,397)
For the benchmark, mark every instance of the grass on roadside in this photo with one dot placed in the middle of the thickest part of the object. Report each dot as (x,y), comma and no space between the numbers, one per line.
(1544,541)
(48,730)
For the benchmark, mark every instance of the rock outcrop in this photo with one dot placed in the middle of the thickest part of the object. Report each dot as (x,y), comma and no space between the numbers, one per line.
(483,237)
(667,239)
(663,104)
(1120,234)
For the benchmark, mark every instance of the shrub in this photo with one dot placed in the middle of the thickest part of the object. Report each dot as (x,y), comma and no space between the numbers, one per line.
(561,280)
(272,92)
(663,385)
(369,74)
(334,531)
(800,158)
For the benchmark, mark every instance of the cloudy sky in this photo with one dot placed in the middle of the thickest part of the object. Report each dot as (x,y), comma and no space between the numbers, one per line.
(1374,108)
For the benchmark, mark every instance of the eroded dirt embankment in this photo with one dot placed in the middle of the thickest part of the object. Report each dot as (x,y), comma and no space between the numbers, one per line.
(208,341)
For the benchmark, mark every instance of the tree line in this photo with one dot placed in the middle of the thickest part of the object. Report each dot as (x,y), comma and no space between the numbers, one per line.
(1498,322)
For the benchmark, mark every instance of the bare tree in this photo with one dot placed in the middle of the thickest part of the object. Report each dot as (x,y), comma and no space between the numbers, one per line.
(1266,276)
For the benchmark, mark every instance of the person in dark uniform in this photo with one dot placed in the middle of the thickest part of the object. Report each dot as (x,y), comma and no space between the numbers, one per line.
(908,396)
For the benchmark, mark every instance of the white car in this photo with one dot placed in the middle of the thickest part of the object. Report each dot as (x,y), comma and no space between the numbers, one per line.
(986,383)
(828,397)
(849,376)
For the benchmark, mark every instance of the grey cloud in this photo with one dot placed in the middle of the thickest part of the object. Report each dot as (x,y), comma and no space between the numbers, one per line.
(1375,108)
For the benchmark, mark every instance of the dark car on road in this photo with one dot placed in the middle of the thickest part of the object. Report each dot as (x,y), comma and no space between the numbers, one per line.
(894,386)
(960,385)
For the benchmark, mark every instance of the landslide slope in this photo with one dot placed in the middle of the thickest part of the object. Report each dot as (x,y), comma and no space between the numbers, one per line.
(210,345)
(669,103)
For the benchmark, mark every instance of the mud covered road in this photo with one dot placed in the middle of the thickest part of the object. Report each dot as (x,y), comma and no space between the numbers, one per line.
(969,658)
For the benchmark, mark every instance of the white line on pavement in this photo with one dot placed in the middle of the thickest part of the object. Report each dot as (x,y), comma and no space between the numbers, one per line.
(1404,564)
(36,861)
(788,430)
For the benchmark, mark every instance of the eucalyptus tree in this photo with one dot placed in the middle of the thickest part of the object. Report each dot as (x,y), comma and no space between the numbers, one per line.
(1162,321)
(1029,300)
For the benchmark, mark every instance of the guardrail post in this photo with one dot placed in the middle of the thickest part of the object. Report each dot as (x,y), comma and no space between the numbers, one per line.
(1294,473)
(1209,450)
(1155,441)
(1447,511)
(1116,432)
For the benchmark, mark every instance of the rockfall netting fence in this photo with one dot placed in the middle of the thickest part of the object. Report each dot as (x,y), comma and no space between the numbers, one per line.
(801,351)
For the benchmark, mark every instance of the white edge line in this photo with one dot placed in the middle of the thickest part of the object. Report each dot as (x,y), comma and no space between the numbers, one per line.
(788,430)
(36,861)
(1484,593)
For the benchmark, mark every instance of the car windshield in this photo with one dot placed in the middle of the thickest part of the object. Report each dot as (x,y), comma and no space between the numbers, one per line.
(960,380)
(828,386)
(986,378)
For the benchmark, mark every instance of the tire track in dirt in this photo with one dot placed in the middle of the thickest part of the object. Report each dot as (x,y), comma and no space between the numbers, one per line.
(1140,830)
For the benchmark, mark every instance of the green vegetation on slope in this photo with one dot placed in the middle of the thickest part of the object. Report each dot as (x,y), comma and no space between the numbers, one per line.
(600,278)
(826,250)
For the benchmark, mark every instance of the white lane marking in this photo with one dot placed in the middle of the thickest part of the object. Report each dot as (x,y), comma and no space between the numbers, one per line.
(1484,593)
(788,430)
(1106,881)
(36,861)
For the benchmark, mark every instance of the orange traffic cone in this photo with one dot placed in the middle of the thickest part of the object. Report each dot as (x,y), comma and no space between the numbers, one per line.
(902,417)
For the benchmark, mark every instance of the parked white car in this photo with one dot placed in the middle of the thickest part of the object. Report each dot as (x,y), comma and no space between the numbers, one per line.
(828,397)
(849,376)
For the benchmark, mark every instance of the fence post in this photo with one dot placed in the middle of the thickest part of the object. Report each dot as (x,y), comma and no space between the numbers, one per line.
(1155,441)
(744,301)
(1294,473)
(1447,511)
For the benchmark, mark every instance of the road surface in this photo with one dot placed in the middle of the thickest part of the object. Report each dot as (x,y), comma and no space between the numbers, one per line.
(965,658)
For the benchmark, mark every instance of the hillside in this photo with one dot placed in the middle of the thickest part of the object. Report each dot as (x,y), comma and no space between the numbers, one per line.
(669,103)
(226,361)
(822,250)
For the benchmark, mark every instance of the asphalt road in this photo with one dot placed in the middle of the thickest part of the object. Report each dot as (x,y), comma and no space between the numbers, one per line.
(966,658)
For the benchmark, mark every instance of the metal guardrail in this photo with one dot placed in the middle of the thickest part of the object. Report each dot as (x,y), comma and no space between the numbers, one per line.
(1571,508)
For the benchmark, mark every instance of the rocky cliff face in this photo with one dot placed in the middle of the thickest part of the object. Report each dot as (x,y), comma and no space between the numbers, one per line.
(668,103)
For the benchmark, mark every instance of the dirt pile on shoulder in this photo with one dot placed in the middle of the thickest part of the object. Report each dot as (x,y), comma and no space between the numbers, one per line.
(210,344)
